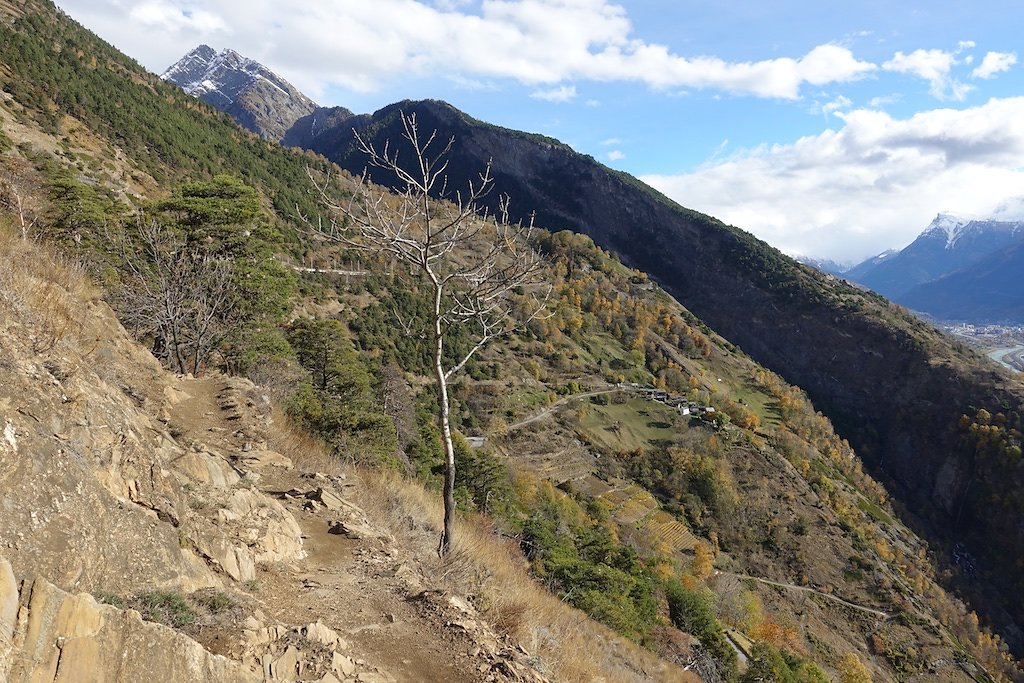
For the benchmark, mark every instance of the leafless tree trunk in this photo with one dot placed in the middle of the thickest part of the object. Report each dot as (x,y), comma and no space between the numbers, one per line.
(20,192)
(473,261)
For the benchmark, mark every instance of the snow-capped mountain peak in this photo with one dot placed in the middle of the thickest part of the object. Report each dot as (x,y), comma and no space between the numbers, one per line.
(192,67)
(946,226)
(254,95)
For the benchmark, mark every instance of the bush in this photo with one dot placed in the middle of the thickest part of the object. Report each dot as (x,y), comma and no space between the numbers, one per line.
(165,607)
(691,611)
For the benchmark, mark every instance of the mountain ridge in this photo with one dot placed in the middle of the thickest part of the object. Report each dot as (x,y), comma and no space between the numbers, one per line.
(950,244)
(988,291)
(254,95)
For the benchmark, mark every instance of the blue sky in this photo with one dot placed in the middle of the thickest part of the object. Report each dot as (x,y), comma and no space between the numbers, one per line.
(834,129)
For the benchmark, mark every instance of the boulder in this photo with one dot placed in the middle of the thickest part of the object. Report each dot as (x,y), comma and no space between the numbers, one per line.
(328,499)
(204,468)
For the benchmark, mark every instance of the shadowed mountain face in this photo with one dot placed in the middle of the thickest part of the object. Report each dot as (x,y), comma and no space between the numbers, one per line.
(990,290)
(252,94)
(893,386)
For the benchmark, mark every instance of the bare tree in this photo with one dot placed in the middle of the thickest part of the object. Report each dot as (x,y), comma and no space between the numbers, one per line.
(179,296)
(396,401)
(473,261)
(21,192)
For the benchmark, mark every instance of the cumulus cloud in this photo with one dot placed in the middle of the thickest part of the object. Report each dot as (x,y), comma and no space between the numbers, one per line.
(840,103)
(167,16)
(933,66)
(870,185)
(361,44)
(994,63)
(616,155)
(564,93)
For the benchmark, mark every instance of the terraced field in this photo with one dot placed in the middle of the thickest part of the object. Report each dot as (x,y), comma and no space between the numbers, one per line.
(633,506)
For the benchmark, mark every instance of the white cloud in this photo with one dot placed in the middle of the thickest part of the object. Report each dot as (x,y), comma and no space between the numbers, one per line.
(564,93)
(362,44)
(775,78)
(840,103)
(472,84)
(994,63)
(611,142)
(881,101)
(166,16)
(449,5)
(933,66)
(616,155)
(870,185)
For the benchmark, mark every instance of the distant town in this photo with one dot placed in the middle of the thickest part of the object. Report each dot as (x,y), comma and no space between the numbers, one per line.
(986,336)
(1002,343)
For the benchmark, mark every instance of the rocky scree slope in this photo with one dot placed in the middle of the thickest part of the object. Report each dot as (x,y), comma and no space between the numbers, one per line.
(123,485)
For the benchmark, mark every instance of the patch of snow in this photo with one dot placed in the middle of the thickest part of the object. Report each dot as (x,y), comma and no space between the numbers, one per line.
(947,226)
(271,82)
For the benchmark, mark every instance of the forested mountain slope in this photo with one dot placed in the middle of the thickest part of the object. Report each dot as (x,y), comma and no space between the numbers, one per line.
(657,522)
(895,387)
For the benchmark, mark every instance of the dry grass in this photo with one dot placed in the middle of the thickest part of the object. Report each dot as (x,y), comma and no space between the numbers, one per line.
(40,292)
(490,570)
(567,644)
(306,452)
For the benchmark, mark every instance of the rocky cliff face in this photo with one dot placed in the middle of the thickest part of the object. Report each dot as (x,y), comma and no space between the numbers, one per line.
(47,634)
(892,385)
(252,94)
(325,127)
(97,495)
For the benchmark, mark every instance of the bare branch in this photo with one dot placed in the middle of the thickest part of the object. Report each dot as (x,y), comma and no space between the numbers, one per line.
(475,262)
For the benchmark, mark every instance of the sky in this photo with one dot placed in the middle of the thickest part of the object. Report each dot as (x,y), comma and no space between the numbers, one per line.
(828,129)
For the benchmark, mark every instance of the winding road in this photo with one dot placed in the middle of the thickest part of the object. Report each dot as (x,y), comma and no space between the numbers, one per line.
(558,404)
(828,596)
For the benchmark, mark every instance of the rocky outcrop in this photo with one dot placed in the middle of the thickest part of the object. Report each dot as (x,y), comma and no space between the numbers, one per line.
(89,495)
(47,634)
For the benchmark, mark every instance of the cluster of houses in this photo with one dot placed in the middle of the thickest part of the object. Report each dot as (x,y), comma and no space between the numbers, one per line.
(683,405)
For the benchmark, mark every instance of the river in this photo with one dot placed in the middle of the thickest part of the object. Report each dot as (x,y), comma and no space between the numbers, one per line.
(999,354)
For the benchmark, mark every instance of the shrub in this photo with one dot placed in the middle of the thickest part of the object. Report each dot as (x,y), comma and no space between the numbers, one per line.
(165,607)
(691,611)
